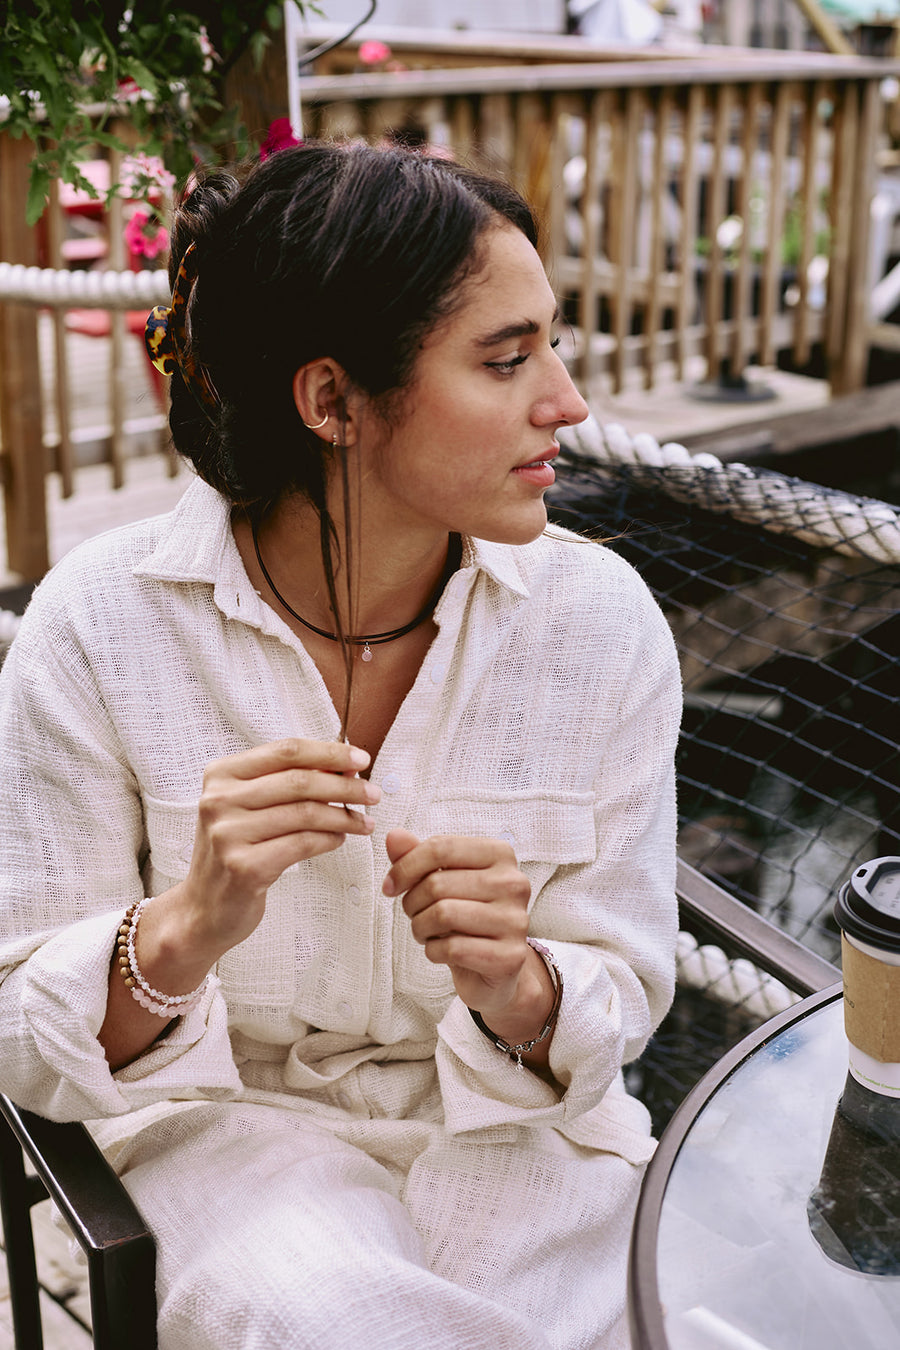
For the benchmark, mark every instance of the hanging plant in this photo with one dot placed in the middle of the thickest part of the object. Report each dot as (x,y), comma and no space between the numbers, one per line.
(69,68)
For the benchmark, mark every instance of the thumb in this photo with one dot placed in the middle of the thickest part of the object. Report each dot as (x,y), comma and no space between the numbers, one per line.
(399,843)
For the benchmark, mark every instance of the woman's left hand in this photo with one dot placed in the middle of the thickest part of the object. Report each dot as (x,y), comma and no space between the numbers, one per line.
(468,902)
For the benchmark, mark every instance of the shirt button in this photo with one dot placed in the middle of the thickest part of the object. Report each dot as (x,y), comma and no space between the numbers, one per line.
(355,895)
(438,674)
(345,1009)
(390,783)
(507,836)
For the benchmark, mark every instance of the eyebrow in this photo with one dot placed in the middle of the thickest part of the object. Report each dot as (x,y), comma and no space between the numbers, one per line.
(527,328)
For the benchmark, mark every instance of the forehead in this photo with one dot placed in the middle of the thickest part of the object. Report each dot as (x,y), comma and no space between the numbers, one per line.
(510,288)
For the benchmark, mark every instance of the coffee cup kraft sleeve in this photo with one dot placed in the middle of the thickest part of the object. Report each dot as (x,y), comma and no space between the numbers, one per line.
(871,1004)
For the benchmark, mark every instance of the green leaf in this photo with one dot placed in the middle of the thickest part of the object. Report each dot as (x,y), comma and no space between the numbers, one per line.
(38,192)
(141,75)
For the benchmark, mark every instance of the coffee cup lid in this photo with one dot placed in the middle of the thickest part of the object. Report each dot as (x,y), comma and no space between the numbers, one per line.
(868,905)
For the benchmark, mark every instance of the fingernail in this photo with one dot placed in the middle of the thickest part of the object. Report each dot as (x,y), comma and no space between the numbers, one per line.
(388,887)
(359,758)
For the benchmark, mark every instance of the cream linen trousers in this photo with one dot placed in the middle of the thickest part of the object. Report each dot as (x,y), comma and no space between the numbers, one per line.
(277,1233)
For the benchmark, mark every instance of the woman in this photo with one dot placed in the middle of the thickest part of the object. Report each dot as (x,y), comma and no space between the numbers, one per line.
(394,763)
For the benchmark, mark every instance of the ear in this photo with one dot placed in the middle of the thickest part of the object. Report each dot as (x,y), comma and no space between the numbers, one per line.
(323,390)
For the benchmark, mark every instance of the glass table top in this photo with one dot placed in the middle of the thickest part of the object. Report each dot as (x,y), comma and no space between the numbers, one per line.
(737,1265)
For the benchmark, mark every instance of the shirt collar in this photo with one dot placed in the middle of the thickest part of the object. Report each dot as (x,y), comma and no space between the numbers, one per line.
(197,545)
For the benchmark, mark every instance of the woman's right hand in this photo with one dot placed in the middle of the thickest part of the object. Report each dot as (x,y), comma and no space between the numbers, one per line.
(260,812)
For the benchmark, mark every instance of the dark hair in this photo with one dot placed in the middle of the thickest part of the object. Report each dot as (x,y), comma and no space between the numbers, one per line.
(321,250)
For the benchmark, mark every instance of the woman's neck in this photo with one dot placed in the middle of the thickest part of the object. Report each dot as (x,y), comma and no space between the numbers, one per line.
(391,576)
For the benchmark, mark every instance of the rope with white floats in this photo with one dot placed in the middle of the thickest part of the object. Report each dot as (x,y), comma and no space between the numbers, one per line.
(736,983)
(58,288)
(821,516)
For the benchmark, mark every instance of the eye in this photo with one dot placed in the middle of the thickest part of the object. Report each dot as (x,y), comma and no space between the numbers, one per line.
(507,367)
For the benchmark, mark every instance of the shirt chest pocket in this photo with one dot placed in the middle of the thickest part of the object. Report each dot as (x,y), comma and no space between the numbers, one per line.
(261,969)
(545,831)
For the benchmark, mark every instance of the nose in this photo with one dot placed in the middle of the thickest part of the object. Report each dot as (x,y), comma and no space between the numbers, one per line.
(562,404)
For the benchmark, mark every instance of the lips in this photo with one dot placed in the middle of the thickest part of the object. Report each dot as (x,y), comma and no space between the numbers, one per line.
(540,460)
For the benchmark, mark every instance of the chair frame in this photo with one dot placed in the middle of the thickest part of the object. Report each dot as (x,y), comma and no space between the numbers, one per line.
(120,1251)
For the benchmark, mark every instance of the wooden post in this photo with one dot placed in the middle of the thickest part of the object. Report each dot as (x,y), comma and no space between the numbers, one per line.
(20,381)
(742,345)
(857,337)
(690,205)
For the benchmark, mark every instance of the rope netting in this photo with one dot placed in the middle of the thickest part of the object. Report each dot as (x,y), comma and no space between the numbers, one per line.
(784,599)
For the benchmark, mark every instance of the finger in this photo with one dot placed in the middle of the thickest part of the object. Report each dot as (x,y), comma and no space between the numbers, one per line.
(444,852)
(281,822)
(493,960)
(293,753)
(504,920)
(485,886)
(399,842)
(304,817)
(293,785)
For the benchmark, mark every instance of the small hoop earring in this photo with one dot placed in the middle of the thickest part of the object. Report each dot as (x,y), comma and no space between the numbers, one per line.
(318,424)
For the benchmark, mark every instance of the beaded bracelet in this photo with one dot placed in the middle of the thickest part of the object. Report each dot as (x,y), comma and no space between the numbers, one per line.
(515,1052)
(163,1005)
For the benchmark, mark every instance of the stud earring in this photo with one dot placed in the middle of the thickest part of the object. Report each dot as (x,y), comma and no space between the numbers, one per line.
(309,427)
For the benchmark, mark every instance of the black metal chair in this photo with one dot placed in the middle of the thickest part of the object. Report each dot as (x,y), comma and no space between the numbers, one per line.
(120,1252)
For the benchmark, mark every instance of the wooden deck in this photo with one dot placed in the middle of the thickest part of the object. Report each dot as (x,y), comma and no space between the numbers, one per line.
(65,1307)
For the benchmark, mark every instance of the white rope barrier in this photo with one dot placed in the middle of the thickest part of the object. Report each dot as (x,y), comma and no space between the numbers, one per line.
(62,289)
(735,982)
(821,516)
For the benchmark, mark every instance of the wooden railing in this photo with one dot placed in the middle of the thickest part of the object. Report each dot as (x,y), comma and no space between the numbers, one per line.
(634,168)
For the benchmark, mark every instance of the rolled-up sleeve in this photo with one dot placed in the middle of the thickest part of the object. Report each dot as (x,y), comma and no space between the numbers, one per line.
(611,924)
(72,834)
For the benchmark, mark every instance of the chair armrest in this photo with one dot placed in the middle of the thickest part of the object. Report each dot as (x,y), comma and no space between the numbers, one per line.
(77,1178)
(120,1250)
(752,936)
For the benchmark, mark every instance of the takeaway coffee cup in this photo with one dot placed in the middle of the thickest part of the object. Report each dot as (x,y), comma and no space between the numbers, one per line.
(868,912)
(854,1212)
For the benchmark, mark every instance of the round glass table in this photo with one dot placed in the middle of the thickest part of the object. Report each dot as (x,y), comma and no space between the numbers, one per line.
(722,1254)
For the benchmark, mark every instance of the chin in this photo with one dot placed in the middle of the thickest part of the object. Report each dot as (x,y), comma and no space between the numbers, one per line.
(516,528)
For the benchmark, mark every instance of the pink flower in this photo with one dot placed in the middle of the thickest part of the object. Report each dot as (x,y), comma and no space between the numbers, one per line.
(280,137)
(145,237)
(372,53)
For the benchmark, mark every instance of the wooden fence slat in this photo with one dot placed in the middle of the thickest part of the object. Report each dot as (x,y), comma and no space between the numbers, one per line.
(856,339)
(117,260)
(598,120)
(717,207)
(462,127)
(64,456)
(690,207)
(625,174)
(813,141)
(662,106)
(845,146)
(555,246)
(773,262)
(742,345)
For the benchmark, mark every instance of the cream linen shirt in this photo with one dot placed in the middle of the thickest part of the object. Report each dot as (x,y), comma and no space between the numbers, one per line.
(545,713)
